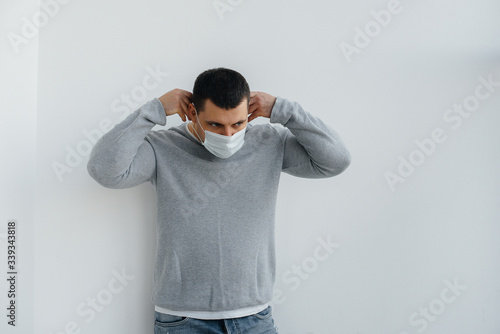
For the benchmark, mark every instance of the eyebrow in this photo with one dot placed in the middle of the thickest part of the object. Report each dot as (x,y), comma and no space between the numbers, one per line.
(241,121)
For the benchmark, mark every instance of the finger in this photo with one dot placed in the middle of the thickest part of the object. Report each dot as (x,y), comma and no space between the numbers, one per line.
(183,107)
(181,112)
(188,115)
(252,117)
(253,108)
(182,91)
(182,115)
(185,99)
(186,111)
(187,94)
(253,99)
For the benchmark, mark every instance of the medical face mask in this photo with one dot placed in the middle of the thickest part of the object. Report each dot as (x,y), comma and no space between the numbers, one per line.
(220,145)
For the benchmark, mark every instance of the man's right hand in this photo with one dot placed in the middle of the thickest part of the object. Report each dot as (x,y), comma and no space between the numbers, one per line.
(176,102)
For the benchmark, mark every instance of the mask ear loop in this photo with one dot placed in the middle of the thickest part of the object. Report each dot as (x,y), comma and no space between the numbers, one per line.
(197,120)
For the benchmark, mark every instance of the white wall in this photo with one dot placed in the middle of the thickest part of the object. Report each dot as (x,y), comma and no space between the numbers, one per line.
(18,105)
(396,248)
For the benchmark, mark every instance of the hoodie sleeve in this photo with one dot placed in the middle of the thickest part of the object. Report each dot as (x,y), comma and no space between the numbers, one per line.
(123,158)
(312,149)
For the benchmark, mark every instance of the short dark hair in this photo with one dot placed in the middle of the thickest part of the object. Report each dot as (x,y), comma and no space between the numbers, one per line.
(226,89)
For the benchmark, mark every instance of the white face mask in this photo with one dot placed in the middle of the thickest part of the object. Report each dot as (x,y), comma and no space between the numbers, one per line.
(220,145)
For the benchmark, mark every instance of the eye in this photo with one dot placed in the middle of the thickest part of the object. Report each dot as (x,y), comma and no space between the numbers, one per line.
(214,124)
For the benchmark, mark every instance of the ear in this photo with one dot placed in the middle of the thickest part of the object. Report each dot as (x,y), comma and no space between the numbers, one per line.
(191,112)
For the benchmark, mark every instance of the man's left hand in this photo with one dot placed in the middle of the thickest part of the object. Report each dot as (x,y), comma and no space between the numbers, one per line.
(261,104)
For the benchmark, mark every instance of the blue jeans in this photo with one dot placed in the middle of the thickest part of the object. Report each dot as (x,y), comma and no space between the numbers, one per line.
(258,323)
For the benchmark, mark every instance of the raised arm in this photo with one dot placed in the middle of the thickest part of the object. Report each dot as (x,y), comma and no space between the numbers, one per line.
(312,149)
(123,158)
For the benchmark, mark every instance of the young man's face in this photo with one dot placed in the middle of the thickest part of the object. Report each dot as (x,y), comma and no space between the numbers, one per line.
(219,120)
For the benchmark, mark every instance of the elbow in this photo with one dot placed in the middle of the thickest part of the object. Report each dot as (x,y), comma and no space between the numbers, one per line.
(93,171)
(111,180)
(338,164)
(345,162)
(100,177)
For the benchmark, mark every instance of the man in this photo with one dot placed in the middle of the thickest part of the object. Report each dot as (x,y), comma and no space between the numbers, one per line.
(216,180)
